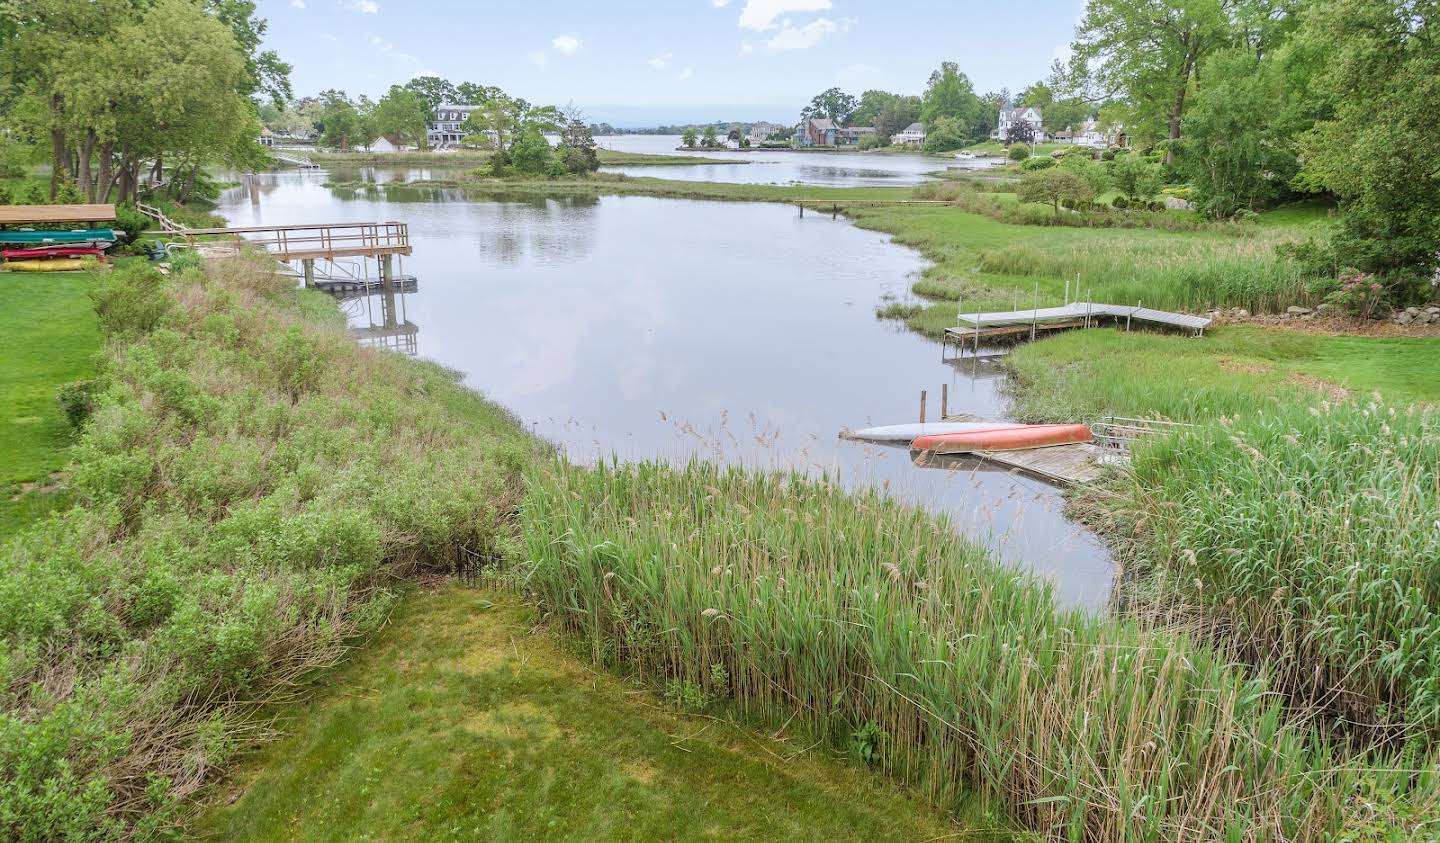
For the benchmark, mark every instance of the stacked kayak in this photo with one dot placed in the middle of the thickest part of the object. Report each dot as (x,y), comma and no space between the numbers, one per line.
(29,250)
(1018,437)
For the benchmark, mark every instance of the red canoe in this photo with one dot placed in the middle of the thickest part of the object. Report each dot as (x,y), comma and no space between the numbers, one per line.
(54,252)
(1011,439)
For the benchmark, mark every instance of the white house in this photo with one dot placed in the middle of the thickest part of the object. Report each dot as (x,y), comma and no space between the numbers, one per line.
(913,135)
(383,144)
(445,127)
(1010,115)
(761,132)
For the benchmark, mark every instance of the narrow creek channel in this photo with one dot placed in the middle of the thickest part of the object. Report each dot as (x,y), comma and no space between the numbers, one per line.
(659,328)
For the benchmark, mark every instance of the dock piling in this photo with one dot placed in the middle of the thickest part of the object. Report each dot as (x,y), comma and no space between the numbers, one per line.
(309,264)
(944,400)
(922,406)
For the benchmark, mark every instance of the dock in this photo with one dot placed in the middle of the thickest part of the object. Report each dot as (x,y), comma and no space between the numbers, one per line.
(1067,465)
(1017,324)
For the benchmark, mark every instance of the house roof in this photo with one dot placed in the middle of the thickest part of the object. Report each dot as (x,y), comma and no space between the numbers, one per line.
(822,123)
(915,129)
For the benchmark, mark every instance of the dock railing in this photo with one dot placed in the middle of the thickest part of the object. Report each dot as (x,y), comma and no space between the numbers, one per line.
(323,242)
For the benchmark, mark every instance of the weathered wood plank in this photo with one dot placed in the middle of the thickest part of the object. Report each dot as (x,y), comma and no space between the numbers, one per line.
(55,214)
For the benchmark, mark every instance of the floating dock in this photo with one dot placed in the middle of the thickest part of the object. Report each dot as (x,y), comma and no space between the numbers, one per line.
(974,327)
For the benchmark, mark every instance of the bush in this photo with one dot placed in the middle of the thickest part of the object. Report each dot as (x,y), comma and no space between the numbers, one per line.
(131,222)
(77,402)
(1358,294)
(1018,152)
(1030,165)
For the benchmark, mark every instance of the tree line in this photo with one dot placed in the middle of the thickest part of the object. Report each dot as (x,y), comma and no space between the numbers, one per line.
(120,93)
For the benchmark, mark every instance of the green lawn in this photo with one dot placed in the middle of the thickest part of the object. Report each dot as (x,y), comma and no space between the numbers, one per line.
(48,337)
(462,722)
(611,158)
(1084,375)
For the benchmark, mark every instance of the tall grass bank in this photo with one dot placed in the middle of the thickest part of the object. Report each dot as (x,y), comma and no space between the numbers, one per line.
(248,489)
(885,632)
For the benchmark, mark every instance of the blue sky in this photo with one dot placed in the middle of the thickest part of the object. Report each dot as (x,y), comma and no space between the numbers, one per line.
(641,63)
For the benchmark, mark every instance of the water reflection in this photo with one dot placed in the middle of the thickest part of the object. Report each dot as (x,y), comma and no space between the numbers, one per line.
(653,328)
(379,319)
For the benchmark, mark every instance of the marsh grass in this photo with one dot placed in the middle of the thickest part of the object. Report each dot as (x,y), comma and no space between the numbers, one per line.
(1306,540)
(247,491)
(876,623)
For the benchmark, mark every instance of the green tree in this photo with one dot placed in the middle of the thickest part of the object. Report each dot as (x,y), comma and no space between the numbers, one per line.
(1240,146)
(500,121)
(833,104)
(896,116)
(688,138)
(708,140)
(1136,176)
(433,90)
(402,114)
(532,154)
(469,93)
(945,134)
(872,104)
(1379,151)
(1148,53)
(950,94)
(1055,186)
(577,147)
(340,122)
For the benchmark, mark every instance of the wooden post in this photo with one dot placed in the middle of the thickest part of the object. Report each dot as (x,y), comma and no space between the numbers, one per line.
(1088,304)
(1034,311)
(835,212)
(802,210)
(309,264)
(387,272)
(922,406)
(944,401)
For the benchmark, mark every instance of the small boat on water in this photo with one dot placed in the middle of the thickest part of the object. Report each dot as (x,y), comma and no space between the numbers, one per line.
(1012,438)
(965,156)
(910,432)
(51,252)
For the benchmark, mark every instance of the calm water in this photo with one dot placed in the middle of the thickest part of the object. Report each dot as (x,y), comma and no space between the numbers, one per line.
(841,169)
(648,327)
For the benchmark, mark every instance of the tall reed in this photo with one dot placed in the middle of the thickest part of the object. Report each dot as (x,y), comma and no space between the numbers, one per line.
(863,617)
(1307,539)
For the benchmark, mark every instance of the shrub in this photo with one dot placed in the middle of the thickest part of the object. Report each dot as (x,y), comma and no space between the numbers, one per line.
(1358,294)
(77,401)
(131,222)
(131,300)
(1030,165)
(1018,152)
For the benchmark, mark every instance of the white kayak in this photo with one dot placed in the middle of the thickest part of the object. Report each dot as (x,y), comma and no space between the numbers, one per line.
(909,432)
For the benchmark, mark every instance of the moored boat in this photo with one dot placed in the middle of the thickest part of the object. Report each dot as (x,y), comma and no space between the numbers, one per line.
(909,432)
(1015,438)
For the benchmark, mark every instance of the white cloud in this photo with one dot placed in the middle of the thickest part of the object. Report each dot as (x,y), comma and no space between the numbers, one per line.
(424,73)
(761,15)
(297,4)
(538,58)
(746,48)
(686,74)
(858,71)
(719,4)
(791,37)
(661,62)
(360,7)
(381,44)
(567,44)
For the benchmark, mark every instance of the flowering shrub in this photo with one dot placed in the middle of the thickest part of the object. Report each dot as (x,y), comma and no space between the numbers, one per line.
(1359,294)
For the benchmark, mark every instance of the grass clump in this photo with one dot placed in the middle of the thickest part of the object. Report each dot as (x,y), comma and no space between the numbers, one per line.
(1307,538)
(888,634)
(246,492)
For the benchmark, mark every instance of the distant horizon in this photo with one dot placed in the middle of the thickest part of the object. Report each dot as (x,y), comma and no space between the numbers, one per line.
(685,62)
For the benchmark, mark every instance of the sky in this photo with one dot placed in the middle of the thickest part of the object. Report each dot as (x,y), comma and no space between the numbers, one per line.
(632,63)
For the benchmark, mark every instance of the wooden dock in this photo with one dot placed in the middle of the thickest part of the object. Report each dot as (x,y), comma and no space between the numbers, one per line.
(323,241)
(1018,324)
(1063,464)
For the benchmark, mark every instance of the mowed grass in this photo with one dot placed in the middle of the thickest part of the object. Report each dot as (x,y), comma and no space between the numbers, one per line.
(1086,375)
(461,721)
(48,337)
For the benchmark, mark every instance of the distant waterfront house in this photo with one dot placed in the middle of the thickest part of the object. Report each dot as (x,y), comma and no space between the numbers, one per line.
(445,128)
(913,135)
(816,131)
(853,135)
(383,144)
(1009,116)
(761,132)
(267,138)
